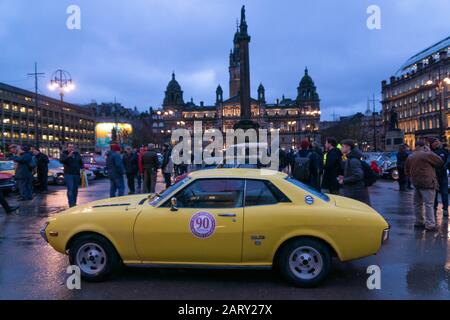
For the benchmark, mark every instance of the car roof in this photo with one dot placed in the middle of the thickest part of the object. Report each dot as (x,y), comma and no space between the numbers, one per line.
(245,173)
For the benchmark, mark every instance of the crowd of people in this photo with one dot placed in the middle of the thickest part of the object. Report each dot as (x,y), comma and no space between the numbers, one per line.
(337,168)
(28,160)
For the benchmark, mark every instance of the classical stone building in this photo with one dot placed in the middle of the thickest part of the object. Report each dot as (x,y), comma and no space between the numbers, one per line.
(296,119)
(52,125)
(416,99)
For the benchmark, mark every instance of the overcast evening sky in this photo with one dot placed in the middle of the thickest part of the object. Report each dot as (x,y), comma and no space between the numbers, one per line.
(128,49)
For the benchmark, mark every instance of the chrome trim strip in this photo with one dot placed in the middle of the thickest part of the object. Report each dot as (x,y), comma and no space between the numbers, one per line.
(195,266)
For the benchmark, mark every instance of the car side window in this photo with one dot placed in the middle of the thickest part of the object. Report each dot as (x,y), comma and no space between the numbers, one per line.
(260,193)
(212,193)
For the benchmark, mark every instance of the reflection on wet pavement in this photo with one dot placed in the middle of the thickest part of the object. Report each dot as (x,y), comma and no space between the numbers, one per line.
(415,264)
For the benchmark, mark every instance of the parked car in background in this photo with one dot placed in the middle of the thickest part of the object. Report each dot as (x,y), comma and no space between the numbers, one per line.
(96,164)
(387,161)
(7,181)
(56,173)
(7,166)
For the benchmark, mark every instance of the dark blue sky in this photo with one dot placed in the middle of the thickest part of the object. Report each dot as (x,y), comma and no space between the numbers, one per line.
(128,49)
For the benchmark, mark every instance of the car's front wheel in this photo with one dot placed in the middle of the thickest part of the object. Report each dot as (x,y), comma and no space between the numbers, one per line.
(95,256)
(305,262)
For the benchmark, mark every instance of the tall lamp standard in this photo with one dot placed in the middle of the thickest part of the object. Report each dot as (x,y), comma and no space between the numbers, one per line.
(441,86)
(62,80)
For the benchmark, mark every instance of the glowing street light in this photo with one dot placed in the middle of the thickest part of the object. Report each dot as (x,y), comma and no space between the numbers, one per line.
(61,80)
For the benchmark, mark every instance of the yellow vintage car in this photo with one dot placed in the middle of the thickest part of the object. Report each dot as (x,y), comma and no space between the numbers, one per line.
(220,218)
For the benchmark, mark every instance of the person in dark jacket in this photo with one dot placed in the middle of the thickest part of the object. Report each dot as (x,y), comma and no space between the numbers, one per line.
(352,180)
(167,165)
(24,171)
(283,160)
(314,164)
(150,164)
(73,164)
(291,160)
(116,170)
(442,176)
(130,161)
(332,167)
(41,169)
(402,155)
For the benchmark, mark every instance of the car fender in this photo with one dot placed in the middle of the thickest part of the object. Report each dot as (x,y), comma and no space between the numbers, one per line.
(304,233)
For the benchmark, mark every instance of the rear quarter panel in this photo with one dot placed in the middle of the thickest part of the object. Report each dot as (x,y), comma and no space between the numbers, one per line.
(351,233)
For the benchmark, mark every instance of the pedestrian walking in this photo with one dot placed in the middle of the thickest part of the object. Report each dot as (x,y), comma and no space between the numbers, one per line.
(442,176)
(24,171)
(421,168)
(73,164)
(116,171)
(41,169)
(167,165)
(8,209)
(332,166)
(150,165)
(140,179)
(130,161)
(402,155)
(352,180)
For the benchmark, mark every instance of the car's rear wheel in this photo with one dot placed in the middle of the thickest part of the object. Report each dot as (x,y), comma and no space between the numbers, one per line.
(305,262)
(95,256)
(60,180)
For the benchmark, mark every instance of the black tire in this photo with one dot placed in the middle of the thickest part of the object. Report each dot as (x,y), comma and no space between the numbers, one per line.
(60,181)
(321,249)
(110,263)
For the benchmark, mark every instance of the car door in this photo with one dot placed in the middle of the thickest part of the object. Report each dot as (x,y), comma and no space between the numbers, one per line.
(264,207)
(205,228)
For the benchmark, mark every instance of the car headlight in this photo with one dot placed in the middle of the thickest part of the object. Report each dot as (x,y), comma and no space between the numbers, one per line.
(42,232)
(385,235)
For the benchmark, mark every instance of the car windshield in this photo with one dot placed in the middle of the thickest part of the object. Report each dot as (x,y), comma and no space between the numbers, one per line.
(53,164)
(168,191)
(308,189)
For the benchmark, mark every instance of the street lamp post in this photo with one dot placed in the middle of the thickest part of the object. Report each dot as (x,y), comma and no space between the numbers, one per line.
(62,80)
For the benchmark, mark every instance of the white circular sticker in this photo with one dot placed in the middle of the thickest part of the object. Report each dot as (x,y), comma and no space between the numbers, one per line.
(202,225)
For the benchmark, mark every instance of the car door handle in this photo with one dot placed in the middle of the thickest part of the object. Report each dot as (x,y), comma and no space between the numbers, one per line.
(227,215)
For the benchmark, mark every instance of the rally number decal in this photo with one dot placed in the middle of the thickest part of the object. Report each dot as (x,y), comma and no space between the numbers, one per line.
(202,225)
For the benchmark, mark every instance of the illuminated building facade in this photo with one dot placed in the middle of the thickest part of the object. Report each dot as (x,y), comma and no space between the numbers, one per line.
(57,123)
(417,97)
(295,119)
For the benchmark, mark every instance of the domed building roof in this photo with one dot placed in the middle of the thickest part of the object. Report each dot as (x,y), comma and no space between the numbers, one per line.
(307,89)
(173,84)
(174,94)
(307,81)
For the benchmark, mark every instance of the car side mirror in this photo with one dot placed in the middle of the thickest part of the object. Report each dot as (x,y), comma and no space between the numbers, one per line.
(173,204)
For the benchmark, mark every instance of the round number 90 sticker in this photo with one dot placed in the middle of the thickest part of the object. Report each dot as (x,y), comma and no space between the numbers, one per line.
(202,225)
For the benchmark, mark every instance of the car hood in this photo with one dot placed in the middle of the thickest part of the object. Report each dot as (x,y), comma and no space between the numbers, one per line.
(125,203)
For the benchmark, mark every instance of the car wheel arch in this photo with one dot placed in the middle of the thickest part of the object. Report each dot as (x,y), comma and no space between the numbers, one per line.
(91,233)
(333,251)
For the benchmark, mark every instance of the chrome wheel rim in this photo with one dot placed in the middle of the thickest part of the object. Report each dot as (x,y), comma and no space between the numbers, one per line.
(306,263)
(91,258)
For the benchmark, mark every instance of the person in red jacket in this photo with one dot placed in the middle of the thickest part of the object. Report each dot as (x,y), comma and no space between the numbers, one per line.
(374,166)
